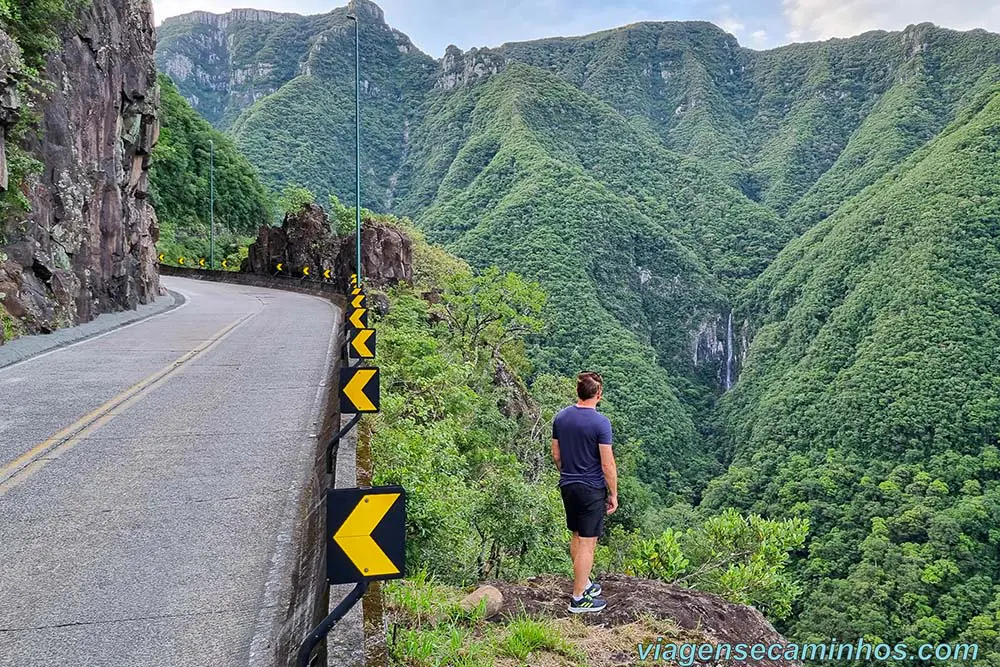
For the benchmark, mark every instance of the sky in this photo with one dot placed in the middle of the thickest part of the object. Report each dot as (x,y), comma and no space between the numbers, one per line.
(434,24)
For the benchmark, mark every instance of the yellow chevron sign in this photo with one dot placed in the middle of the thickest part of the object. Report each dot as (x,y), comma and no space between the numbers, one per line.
(225,263)
(358,301)
(356,291)
(180,260)
(368,528)
(201,262)
(359,390)
(359,318)
(279,267)
(354,280)
(161,257)
(305,271)
(326,274)
(362,344)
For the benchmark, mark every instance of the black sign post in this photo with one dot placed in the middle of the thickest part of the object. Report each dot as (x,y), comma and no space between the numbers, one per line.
(366,541)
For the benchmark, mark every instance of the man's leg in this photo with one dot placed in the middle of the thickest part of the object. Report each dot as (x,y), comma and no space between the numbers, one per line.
(583,562)
(573,542)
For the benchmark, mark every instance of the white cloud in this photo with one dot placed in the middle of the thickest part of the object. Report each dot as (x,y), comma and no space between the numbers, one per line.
(822,19)
(728,21)
(731,25)
(758,38)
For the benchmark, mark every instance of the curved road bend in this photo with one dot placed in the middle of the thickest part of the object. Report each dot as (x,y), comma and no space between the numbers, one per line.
(145,477)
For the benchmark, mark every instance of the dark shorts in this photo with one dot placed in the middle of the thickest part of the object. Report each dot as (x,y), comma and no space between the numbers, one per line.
(585,508)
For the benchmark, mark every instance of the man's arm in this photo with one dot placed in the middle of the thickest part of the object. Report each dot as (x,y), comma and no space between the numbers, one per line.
(555,454)
(610,469)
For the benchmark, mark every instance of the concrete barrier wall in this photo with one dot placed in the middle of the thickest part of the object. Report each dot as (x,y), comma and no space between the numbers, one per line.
(313,287)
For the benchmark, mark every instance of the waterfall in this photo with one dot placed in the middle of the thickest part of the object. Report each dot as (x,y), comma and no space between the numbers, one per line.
(729,351)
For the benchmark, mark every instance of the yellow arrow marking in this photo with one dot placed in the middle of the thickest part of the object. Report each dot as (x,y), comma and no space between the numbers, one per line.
(356,316)
(180,260)
(355,389)
(360,343)
(326,274)
(355,535)
(358,299)
(355,291)
(161,256)
(305,271)
(201,261)
(225,263)
(280,264)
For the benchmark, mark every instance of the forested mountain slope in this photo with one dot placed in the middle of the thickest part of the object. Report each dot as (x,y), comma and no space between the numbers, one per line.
(869,398)
(283,86)
(180,172)
(636,246)
(773,123)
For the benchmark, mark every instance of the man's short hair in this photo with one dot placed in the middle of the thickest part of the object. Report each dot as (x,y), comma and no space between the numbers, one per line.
(588,383)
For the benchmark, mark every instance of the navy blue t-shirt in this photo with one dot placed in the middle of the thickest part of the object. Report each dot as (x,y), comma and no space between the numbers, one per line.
(580,432)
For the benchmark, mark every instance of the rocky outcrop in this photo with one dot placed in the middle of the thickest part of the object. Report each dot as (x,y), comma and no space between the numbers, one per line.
(493,601)
(87,244)
(700,617)
(719,343)
(386,254)
(222,21)
(459,69)
(305,240)
(10,103)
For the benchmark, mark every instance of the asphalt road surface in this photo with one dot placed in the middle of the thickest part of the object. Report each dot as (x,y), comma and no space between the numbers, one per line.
(147,477)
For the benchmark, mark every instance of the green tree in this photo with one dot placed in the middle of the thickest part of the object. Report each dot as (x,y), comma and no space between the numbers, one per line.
(294,198)
(491,311)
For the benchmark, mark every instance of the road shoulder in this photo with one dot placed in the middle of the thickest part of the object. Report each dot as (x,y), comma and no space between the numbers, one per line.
(28,347)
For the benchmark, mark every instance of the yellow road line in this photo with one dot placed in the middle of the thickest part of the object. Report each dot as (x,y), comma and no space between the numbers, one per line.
(15,472)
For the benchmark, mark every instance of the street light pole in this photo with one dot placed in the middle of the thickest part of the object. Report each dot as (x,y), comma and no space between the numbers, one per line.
(357,140)
(211,203)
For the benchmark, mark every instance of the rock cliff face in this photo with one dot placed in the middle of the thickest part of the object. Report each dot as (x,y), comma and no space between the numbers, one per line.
(305,240)
(87,244)
(458,68)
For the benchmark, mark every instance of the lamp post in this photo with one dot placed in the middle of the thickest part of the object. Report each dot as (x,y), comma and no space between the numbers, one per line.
(357,140)
(211,203)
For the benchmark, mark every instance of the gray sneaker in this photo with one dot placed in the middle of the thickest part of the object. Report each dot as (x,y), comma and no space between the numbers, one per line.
(586,605)
(594,590)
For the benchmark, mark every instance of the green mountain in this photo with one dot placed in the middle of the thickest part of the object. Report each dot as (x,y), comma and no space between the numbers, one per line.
(869,398)
(813,227)
(636,245)
(773,123)
(283,87)
(180,176)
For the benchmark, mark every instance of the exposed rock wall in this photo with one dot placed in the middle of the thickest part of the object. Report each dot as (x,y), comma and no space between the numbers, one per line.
(305,240)
(459,69)
(718,340)
(87,245)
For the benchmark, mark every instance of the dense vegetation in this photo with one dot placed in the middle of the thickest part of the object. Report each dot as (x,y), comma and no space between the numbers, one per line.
(652,180)
(179,185)
(609,222)
(869,403)
(468,438)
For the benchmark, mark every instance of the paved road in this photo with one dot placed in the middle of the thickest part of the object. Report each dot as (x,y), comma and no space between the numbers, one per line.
(146,476)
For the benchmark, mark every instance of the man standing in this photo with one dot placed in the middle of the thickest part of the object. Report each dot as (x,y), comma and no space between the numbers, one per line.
(588,481)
